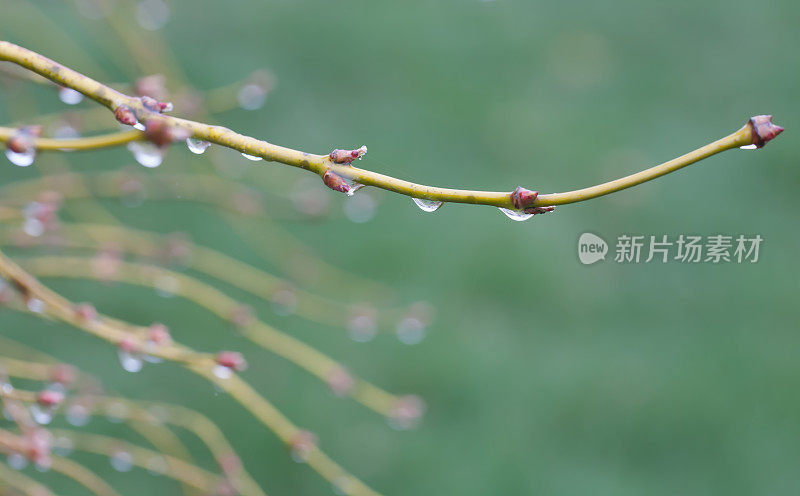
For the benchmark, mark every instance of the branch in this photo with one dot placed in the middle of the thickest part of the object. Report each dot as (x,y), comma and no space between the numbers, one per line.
(336,169)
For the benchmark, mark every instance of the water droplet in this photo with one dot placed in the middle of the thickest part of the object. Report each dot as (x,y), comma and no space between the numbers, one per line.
(41,415)
(427,205)
(748,147)
(35,305)
(78,415)
(122,461)
(354,186)
(361,208)
(33,227)
(197,146)
(152,15)
(69,96)
(147,154)
(6,388)
(17,461)
(156,465)
(222,372)
(21,159)
(517,215)
(410,330)
(130,362)
(251,96)
(362,327)
(251,157)
(139,126)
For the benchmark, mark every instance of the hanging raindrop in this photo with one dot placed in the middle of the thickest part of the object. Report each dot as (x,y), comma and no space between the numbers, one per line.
(147,154)
(122,461)
(78,415)
(131,362)
(69,96)
(197,146)
(427,205)
(222,372)
(748,147)
(17,461)
(23,159)
(251,157)
(41,415)
(517,215)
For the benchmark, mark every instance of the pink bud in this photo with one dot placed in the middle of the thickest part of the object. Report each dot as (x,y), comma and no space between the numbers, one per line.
(162,134)
(125,115)
(522,198)
(85,312)
(129,345)
(63,374)
(154,105)
(231,360)
(340,381)
(347,156)
(763,129)
(158,334)
(335,182)
(49,398)
(302,444)
(407,411)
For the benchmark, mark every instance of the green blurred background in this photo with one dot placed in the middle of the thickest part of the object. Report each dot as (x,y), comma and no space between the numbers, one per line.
(541,375)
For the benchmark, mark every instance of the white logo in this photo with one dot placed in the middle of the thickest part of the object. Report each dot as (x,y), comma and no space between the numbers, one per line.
(591,248)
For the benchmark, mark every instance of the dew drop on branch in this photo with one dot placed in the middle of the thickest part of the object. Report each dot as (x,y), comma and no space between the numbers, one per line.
(131,362)
(427,205)
(354,186)
(222,372)
(17,461)
(147,154)
(196,146)
(122,461)
(517,215)
(69,96)
(251,157)
(23,159)
(41,415)
(748,147)
(35,305)
(78,415)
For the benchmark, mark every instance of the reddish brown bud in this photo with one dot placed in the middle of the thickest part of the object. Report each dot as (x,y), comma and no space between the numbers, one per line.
(22,140)
(49,399)
(407,411)
(125,115)
(335,182)
(154,105)
(347,156)
(522,198)
(85,312)
(63,374)
(763,129)
(539,210)
(231,360)
(340,381)
(162,134)
(129,345)
(158,334)
(302,444)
